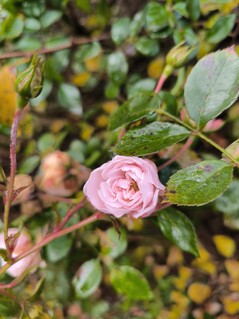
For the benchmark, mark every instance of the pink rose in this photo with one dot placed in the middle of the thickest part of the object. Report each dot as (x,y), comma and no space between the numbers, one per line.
(125,185)
(23,243)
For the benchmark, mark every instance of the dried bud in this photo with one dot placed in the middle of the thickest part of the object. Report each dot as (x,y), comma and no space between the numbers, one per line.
(28,83)
(180,54)
(60,175)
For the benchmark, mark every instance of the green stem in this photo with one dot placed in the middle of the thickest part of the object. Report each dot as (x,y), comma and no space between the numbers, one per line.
(163,112)
(179,83)
(199,134)
(221,149)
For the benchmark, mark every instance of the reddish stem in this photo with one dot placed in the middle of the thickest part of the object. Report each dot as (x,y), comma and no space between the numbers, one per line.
(160,83)
(178,154)
(13,165)
(68,216)
(58,234)
(74,42)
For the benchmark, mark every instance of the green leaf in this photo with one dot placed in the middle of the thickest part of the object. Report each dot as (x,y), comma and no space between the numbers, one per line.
(131,283)
(29,165)
(50,17)
(12,26)
(137,23)
(156,17)
(120,30)
(112,90)
(193,8)
(58,249)
(221,29)
(199,184)
(134,109)
(32,24)
(178,229)
(228,202)
(118,243)
(212,86)
(144,85)
(46,142)
(150,138)
(117,67)
(28,43)
(77,150)
(90,274)
(69,97)
(147,46)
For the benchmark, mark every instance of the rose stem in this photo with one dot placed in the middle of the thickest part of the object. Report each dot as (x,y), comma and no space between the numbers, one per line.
(52,237)
(178,154)
(68,215)
(160,83)
(10,185)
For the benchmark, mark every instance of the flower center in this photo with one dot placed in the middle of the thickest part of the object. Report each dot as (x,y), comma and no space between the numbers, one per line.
(134,186)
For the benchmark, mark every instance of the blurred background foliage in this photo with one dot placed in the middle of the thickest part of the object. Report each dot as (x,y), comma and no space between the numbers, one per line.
(100,53)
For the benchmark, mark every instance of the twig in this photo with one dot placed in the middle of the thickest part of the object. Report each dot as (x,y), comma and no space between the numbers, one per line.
(179,153)
(68,216)
(50,238)
(58,234)
(13,164)
(74,42)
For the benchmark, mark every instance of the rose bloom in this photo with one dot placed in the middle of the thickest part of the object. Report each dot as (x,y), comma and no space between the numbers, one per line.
(125,186)
(60,175)
(23,243)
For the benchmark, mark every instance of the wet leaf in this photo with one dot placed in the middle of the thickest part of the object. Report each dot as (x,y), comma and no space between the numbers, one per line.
(150,138)
(212,86)
(178,228)
(199,184)
(134,109)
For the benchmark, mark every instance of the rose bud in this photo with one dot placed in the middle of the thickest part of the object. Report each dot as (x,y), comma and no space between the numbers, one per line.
(29,83)
(60,175)
(23,243)
(180,55)
(125,186)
